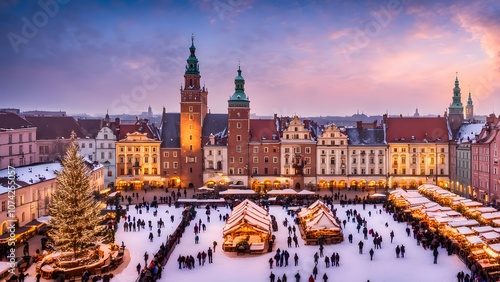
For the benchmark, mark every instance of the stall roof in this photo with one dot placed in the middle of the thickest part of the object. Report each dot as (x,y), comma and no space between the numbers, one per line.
(490,235)
(237,192)
(485,209)
(495,247)
(492,215)
(470,222)
(474,240)
(472,204)
(465,230)
(482,229)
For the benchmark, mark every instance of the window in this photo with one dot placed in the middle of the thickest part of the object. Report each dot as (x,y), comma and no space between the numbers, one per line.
(29,148)
(20,138)
(190,126)
(146,159)
(83,145)
(266,159)
(238,138)
(10,150)
(30,138)
(240,159)
(238,148)
(4,206)
(190,109)
(255,160)
(255,170)
(266,150)
(190,147)
(231,159)
(174,154)
(90,145)
(175,165)
(102,155)
(219,152)
(190,137)
(275,160)
(256,149)
(191,117)
(10,138)
(238,125)
(308,150)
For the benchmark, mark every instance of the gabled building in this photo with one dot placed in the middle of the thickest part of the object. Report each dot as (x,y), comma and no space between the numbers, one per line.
(418,151)
(485,164)
(298,154)
(461,159)
(331,152)
(17,141)
(265,156)
(366,157)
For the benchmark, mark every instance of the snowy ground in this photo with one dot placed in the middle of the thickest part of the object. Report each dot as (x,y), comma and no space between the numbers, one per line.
(416,266)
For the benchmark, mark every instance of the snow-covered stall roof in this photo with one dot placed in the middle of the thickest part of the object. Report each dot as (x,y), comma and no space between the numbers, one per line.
(484,209)
(247,212)
(472,204)
(492,215)
(490,235)
(482,229)
(474,240)
(470,222)
(465,230)
(323,220)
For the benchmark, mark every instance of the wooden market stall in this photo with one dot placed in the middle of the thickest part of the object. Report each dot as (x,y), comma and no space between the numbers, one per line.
(317,223)
(248,228)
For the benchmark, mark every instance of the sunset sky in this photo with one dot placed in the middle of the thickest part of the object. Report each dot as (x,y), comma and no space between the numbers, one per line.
(303,57)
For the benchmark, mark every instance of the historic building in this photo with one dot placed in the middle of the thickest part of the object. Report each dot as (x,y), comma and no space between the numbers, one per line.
(138,162)
(298,154)
(418,151)
(17,141)
(194,109)
(485,165)
(366,157)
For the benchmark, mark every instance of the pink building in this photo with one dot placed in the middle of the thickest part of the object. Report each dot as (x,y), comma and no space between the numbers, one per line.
(17,141)
(485,180)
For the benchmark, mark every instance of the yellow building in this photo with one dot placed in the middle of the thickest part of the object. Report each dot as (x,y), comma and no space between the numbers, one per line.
(138,162)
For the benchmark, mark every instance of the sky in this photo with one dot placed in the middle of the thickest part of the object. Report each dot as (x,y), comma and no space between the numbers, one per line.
(310,58)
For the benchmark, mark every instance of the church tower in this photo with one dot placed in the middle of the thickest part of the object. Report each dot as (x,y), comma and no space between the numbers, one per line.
(469,109)
(456,109)
(238,135)
(193,111)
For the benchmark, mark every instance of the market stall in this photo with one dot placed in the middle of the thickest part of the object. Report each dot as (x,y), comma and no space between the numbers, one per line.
(317,223)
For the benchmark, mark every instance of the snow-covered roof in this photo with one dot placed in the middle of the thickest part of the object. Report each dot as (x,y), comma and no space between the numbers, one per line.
(29,175)
(482,229)
(323,220)
(468,132)
(248,213)
(465,230)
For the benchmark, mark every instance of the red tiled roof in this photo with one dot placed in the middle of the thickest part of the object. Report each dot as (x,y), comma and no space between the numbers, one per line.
(53,127)
(417,129)
(263,129)
(12,121)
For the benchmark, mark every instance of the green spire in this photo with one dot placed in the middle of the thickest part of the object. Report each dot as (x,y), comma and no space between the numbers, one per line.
(239,95)
(192,66)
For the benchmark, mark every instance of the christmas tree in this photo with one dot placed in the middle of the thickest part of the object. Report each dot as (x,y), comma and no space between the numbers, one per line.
(76,223)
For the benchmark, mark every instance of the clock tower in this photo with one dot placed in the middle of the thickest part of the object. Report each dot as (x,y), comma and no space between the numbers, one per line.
(238,135)
(193,110)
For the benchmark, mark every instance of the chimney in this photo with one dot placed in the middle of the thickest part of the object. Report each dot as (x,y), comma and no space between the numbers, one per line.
(212,139)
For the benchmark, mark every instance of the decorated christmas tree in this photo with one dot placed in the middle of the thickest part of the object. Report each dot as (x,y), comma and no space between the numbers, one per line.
(76,224)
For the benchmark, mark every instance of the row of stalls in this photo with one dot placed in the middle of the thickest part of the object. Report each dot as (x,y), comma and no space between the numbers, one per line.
(318,225)
(467,223)
(247,229)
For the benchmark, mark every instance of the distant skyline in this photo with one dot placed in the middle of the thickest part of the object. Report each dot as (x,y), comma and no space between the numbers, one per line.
(310,58)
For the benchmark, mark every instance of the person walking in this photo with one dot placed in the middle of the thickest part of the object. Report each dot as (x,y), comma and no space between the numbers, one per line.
(297,277)
(435,253)
(398,250)
(209,253)
(271,277)
(311,279)
(392,235)
(315,271)
(146,257)
(271,263)
(371,253)
(296,259)
(325,277)
(360,245)
(215,245)
(403,250)
(138,267)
